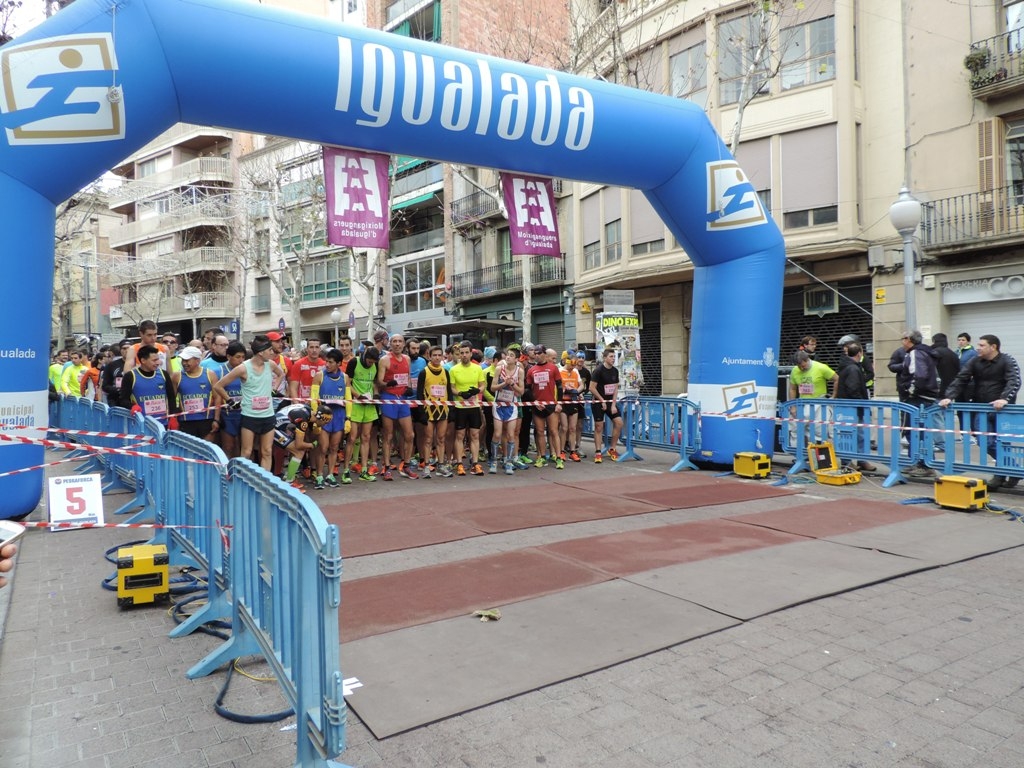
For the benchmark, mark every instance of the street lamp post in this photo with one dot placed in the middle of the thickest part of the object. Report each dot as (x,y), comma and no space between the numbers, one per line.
(336,319)
(905,215)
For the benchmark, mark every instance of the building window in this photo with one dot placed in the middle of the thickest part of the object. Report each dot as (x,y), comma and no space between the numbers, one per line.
(613,241)
(738,43)
(1014,150)
(651,246)
(261,301)
(1014,23)
(326,279)
(592,255)
(417,286)
(808,53)
(814,217)
(765,196)
(690,75)
(167,290)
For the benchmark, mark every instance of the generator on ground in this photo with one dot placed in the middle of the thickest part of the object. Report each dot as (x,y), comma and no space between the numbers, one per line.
(142,575)
(967,494)
(826,469)
(751,464)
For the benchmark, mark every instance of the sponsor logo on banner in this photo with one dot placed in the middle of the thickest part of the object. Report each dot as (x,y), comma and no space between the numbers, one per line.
(533,224)
(358,213)
(732,200)
(743,399)
(61,90)
(24,410)
(767,359)
(377,84)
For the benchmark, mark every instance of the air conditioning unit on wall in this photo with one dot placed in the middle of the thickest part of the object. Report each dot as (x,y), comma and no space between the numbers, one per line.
(820,300)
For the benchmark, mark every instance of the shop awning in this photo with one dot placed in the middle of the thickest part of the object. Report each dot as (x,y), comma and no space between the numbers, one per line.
(456,327)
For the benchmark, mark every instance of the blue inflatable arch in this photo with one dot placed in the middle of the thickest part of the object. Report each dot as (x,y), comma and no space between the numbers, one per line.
(102,78)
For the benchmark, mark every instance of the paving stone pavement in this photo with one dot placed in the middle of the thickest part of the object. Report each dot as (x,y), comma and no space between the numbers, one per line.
(924,671)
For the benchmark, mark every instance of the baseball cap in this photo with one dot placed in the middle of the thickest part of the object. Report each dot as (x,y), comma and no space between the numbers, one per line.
(848,339)
(275,336)
(581,355)
(380,336)
(190,353)
(260,346)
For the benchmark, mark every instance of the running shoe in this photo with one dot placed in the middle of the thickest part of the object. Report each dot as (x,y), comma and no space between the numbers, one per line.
(407,470)
(346,478)
(373,470)
(296,483)
(581,454)
(357,468)
(426,472)
(613,455)
(493,468)
(559,464)
(574,456)
(524,459)
(388,475)
(307,473)
(460,469)
(477,470)
(521,464)
(332,481)
(509,469)
(444,470)
(367,477)
(561,456)
(319,485)
(597,458)
(540,462)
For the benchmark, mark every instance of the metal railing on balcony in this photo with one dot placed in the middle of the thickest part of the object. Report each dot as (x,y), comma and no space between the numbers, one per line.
(974,217)
(213,211)
(997,63)
(476,206)
(421,241)
(401,7)
(125,270)
(508,277)
(201,305)
(201,169)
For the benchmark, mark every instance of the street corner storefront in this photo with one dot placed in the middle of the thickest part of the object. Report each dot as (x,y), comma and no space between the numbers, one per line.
(987,301)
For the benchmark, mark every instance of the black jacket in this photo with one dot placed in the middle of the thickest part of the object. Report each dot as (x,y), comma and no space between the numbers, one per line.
(997,379)
(853,379)
(920,373)
(948,363)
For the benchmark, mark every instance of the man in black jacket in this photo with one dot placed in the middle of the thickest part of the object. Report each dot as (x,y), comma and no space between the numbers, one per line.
(996,379)
(947,361)
(112,372)
(853,385)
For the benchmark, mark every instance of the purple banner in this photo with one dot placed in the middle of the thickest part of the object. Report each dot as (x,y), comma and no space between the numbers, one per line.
(358,198)
(532,218)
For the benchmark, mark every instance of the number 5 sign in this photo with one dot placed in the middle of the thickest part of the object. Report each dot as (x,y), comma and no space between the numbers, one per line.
(75,499)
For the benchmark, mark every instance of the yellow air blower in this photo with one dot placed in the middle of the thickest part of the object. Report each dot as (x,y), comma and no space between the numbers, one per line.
(142,575)
(826,470)
(967,494)
(749,464)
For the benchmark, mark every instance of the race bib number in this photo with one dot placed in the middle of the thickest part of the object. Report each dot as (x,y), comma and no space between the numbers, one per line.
(402,379)
(156,406)
(261,403)
(542,378)
(505,396)
(609,390)
(194,404)
(806,388)
(437,390)
(304,391)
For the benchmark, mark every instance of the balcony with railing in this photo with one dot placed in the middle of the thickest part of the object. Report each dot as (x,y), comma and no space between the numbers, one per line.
(508,277)
(127,271)
(421,241)
(975,220)
(210,304)
(476,206)
(213,212)
(207,169)
(996,65)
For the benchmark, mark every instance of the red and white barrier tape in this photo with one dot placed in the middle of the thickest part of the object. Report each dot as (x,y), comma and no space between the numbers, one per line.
(97,449)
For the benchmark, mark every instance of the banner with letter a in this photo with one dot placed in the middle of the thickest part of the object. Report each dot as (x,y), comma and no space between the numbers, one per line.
(358,198)
(532,218)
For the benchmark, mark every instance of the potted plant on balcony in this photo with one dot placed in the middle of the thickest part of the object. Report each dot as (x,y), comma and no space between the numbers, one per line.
(977,60)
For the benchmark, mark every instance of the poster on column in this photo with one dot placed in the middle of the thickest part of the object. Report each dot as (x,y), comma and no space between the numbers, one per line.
(358,198)
(621,331)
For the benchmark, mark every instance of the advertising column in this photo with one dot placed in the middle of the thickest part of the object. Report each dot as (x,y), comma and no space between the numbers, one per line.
(621,331)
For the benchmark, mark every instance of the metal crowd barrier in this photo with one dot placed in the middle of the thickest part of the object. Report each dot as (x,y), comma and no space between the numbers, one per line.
(274,564)
(665,423)
(994,443)
(285,578)
(901,436)
(123,422)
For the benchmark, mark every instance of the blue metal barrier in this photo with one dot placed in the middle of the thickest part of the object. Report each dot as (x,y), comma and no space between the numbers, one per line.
(285,573)
(196,498)
(997,446)
(94,416)
(665,423)
(147,475)
(122,468)
(861,430)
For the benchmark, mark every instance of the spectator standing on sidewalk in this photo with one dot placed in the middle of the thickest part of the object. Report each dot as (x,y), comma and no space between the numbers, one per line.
(853,385)
(995,376)
(920,380)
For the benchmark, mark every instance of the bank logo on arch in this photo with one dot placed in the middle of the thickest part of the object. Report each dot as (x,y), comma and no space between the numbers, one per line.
(732,200)
(54,91)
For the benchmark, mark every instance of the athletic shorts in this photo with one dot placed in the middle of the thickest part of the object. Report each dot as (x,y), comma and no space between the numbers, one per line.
(337,422)
(200,428)
(259,425)
(598,410)
(435,413)
(572,408)
(231,423)
(543,411)
(419,416)
(393,411)
(466,418)
(505,412)
(362,413)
